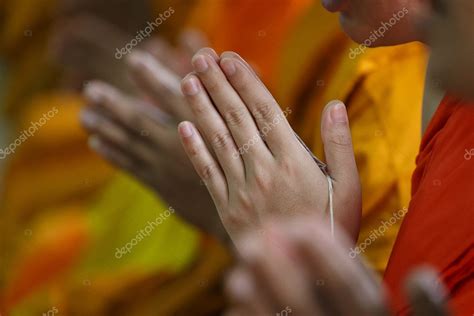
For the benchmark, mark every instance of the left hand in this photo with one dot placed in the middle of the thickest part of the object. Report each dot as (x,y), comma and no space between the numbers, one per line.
(257,167)
(298,267)
(139,135)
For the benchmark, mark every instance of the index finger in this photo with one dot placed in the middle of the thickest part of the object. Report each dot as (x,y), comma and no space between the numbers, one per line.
(159,83)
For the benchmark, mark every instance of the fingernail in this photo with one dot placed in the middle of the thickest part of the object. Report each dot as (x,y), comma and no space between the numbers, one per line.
(141,61)
(94,143)
(136,60)
(185,129)
(190,86)
(200,63)
(89,119)
(338,113)
(228,66)
(93,94)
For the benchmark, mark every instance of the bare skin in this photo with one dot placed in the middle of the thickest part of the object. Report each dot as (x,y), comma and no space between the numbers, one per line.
(450,32)
(133,123)
(253,177)
(260,169)
(228,113)
(319,278)
(139,133)
(361,18)
(312,190)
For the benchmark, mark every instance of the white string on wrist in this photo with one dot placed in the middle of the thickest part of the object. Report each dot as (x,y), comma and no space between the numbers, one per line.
(324,169)
(331,206)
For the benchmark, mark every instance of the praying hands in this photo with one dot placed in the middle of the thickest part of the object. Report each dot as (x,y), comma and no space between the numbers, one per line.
(245,151)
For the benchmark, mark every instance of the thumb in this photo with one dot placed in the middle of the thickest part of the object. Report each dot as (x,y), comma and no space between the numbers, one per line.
(337,141)
(341,166)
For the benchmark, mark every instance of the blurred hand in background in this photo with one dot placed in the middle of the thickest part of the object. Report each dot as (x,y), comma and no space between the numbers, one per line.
(137,131)
(298,267)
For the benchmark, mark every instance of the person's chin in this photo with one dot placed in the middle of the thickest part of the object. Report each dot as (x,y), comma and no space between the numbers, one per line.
(358,33)
(452,76)
(335,5)
(362,33)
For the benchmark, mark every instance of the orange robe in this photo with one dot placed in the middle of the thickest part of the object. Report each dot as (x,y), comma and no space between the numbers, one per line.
(383,91)
(257,30)
(438,228)
(58,193)
(55,210)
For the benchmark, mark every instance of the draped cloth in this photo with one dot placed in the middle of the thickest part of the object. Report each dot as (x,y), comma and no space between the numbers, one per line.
(257,30)
(64,201)
(438,228)
(382,90)
(65,209)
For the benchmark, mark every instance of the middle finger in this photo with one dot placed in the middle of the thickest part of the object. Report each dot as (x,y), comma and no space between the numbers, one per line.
(214,129)
(231,108)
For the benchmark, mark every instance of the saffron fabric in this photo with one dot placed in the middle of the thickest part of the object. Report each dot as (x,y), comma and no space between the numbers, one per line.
(438,228)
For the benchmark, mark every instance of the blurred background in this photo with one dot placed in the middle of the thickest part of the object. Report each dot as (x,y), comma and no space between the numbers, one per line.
(65,211)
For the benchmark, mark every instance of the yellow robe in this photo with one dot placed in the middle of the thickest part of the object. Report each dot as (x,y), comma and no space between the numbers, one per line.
(59,195)
(67,210)
(382,89)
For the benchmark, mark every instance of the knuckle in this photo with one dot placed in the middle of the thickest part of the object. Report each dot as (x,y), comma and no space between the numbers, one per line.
(207,172)
(199,109)
(241,82)
(265,110)
(122,138)
(193,150)
(244,201)
(212,86)
(137,121)
(287,167)
(341,142)
(235,117)
(263,181)
(221,140)
(232,218)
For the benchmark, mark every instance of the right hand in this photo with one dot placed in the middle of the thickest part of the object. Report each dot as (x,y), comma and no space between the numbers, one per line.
(260,169)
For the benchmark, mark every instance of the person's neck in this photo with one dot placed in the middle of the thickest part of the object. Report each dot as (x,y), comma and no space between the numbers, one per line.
(433,96)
